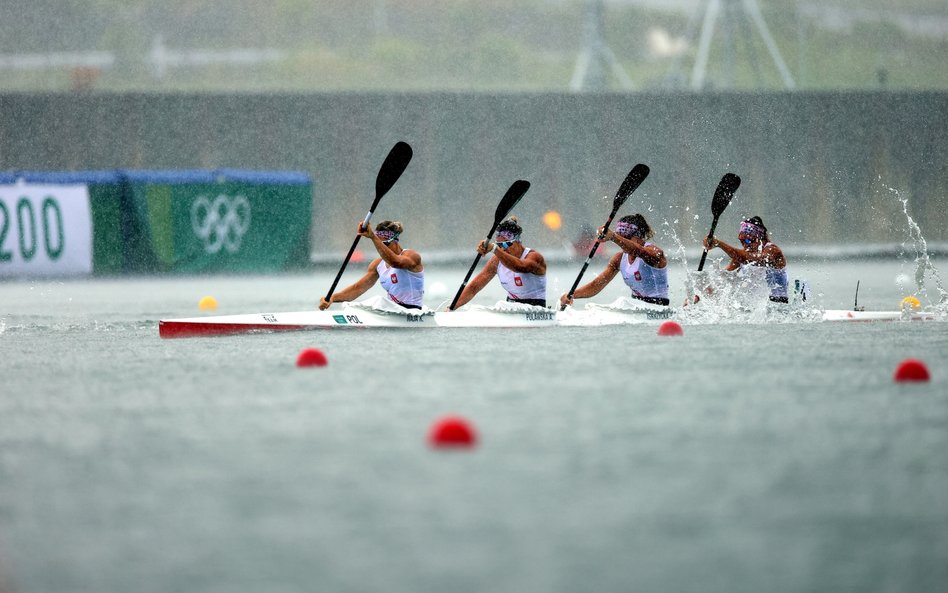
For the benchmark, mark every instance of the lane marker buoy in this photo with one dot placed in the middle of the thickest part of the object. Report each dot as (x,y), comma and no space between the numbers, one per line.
(207,303)
(311,357)
(670,328)
(911,370)
(453,432)
(911,302)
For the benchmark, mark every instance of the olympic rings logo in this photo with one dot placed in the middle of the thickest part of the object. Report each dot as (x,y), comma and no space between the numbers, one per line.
(221,223)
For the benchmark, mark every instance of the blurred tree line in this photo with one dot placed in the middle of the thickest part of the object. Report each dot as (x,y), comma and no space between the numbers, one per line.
(481,45)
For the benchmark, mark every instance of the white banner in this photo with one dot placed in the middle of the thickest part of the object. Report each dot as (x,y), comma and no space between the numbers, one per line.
(45,230)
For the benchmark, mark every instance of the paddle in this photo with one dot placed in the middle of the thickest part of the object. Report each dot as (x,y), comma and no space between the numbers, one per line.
(722,197)
(635,177)
(391,169)
(506,204)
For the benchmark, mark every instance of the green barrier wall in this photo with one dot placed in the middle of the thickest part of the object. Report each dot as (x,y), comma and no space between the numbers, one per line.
(107,248)
(222,221)
(187,222)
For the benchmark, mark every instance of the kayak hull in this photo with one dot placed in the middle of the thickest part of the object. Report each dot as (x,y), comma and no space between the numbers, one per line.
(844,315)
(357,317)
(527,317)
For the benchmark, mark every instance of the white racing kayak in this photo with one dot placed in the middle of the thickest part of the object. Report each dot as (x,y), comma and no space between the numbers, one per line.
(846,315)
(622,311)
(222,325)
(374,312)
(379,313)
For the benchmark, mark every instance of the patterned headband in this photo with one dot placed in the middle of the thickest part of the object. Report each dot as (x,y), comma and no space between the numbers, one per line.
(387,236)
(508,236)
(627,229)
(752,229)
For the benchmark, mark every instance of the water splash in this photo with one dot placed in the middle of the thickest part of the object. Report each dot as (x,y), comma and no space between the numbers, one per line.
(742,298)
(680,256)
(923,262)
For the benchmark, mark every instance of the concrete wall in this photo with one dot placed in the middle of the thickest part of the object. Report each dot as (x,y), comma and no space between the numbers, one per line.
(818,167)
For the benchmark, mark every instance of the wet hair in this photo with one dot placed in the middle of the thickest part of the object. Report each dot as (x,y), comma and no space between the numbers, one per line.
(758,222)
(390,225)
(510,226)
(645,231)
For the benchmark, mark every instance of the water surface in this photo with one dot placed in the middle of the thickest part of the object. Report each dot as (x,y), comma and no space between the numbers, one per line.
(741,457)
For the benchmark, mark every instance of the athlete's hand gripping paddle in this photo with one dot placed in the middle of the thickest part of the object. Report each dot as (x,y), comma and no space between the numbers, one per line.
(635,177)
(506,204)
(722,197)
(391,169)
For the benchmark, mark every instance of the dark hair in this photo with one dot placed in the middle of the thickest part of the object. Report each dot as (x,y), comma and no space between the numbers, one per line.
(510,226)
(390,225)
(645,231)
(758,221)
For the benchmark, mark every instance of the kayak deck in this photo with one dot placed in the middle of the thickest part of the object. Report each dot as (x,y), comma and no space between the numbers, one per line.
(502,316)
(354,316)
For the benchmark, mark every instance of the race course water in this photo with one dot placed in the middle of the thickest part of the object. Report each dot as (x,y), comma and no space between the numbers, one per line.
(741,457)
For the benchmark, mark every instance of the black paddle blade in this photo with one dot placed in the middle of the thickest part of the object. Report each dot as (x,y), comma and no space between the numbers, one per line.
(723,194)
(392,168)
(635,177)
(510,199)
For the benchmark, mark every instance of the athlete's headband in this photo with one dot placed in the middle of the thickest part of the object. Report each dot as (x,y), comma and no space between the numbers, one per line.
(387,236)
(749,228)
(627,229)
(508,236)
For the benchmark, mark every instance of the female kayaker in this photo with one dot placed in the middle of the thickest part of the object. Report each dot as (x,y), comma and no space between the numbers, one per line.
(399,271)
(522,271)
(755,252)
(642,264)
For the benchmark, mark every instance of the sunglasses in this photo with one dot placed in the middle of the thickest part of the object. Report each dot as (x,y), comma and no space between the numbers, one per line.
(504,244)
(747,241)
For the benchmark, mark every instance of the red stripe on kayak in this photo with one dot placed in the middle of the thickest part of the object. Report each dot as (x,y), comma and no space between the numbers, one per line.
(178,329)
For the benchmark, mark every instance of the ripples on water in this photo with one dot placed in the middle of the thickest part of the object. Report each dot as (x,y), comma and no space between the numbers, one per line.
(745,456)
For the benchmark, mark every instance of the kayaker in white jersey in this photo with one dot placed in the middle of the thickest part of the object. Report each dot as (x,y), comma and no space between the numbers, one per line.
(399,271)
(521,270)
(756,250)
(642,264)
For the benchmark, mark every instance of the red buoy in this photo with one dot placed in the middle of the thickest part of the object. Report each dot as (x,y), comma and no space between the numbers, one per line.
(670,328)
(452,431)
(311,357)
(911,369)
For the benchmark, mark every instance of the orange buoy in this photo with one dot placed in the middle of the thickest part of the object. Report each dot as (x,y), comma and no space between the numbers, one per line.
(452,431)
(311,357)
(207,303)
(911,369)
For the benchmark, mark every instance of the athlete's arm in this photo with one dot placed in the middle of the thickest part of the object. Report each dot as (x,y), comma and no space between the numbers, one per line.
(532,264)
(650,254)
(356,289)
(406,260)
(595,286)
(478,282)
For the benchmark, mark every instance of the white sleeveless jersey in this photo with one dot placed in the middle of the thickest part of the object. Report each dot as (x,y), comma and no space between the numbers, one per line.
(778,282)
(403,287)
(643,279)
(777,279)
(521,285)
